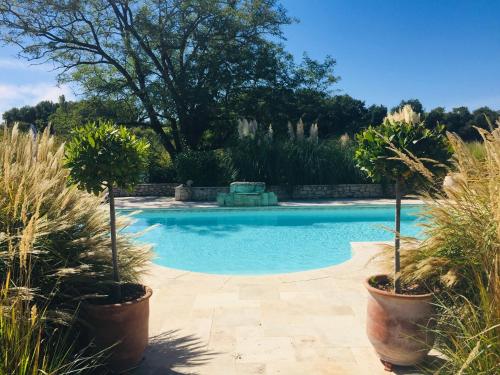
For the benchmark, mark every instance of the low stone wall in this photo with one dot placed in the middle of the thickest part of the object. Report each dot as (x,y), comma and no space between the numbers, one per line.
(154,190)
(338,191)
(329,191)
(298,192)
(184,193)
(207,193)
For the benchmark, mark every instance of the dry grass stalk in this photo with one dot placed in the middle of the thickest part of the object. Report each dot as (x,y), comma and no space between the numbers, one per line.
(51,233)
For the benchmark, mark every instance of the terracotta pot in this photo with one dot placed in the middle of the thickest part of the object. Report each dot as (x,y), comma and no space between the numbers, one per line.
(395,325)
(124,323)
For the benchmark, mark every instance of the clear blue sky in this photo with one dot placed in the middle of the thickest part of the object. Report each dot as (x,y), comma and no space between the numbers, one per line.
(443,52)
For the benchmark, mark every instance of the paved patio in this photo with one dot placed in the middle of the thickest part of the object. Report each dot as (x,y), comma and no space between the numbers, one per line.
(301,323)
(170,203)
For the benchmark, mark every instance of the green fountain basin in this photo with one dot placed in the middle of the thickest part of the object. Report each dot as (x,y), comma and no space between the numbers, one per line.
(247,194)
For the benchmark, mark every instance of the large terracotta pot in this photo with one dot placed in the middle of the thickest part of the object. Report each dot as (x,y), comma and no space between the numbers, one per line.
(395,325)
(124,323)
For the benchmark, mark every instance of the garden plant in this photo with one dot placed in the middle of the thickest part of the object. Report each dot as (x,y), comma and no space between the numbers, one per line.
(104,156)
(54,253)
(396,316)
(459,258)
(381,154)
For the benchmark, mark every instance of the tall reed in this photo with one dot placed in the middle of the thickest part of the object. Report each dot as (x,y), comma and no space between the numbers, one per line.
(58,232)
(29,345)
(460,258)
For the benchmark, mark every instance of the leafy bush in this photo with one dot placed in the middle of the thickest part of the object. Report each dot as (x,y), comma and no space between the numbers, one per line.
(382,150)
(386,152)
(325,162)
(204,168)
(63,231)
(258,159)
(104,156)
(259,156)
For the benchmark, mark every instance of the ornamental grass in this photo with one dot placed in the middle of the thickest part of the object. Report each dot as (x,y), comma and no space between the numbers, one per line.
(460,258)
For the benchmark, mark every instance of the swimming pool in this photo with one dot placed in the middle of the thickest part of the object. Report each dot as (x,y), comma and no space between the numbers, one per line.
(265,241)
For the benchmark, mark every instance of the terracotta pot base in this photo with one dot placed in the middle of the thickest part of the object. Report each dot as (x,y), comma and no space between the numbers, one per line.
(396,325)
(124,325)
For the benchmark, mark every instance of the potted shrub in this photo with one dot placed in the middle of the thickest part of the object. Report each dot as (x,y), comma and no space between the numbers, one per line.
(396,313)
(104,156)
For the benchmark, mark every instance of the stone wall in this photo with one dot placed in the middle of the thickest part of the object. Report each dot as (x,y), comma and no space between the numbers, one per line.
(207,193)
(329,191)
(153,190)
(298,192)
(283,193)
(338,191)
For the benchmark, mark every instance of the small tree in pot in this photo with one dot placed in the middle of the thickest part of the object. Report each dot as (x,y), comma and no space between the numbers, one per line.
(386,153)
(102,156)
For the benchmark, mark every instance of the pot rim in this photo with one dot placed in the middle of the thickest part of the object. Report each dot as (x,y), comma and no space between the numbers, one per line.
(146,296)
(413,297)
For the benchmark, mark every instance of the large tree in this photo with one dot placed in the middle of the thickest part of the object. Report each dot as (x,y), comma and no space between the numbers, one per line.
(181,61)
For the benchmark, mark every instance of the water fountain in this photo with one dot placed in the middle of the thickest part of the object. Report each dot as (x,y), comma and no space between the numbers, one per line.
(247,194)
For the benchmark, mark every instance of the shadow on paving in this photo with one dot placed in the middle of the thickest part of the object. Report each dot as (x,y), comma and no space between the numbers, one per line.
(430,365)
(169,350)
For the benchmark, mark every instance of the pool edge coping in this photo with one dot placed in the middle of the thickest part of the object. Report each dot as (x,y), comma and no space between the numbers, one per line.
(358,256)
(123,205)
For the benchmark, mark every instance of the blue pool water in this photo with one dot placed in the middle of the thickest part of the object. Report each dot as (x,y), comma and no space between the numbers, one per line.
(265,241)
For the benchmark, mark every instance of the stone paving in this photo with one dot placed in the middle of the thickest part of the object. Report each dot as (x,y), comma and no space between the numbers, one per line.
(300,323)
(170,203)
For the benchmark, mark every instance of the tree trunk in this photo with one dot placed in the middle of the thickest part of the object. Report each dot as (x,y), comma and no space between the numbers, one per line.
(397,238)
(164,139)
(112,222)
(176,137)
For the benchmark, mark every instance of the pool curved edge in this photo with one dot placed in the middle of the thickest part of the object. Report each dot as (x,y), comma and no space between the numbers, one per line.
(363,257)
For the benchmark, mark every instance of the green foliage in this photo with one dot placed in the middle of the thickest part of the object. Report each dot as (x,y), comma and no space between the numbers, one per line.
(29,345)
(381,148)
(188,72)
(461,121)
(468,333)
(63,232)
(477,149)
(105,155)
(258,158)
(460,259)
(334,114)
(204,168)
(275,161)
(72,115)
(325,162)
(463,228)
(160,167)
(37,115)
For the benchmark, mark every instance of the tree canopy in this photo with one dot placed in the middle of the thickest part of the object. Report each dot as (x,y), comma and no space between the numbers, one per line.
(103,155)
(188,70)
(380,149)
(183,62)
